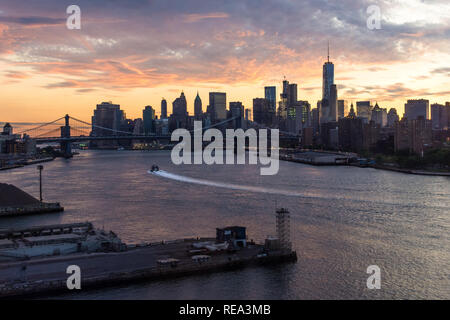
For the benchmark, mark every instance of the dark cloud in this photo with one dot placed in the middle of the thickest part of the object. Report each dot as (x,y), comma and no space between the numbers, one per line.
(310,88)
(441,71)
(64,84)
(32,20)
(87,90)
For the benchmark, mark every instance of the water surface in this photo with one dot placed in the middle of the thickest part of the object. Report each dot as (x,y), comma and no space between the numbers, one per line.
(343,220)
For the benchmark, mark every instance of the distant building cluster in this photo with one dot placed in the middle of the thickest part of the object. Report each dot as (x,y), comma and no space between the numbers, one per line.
(11,143)
(14,145)
(332,124)
(374,129)
(109,120)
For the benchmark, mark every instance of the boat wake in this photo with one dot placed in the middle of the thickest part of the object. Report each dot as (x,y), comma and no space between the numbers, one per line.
(288,193)
(176,177)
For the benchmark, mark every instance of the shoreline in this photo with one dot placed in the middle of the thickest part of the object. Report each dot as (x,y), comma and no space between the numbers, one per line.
(44,207)
(284,157)
(374,166)
(410,171)
(26,162)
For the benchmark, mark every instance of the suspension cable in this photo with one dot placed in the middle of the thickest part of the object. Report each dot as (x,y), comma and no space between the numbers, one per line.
(40,126)
(100,127)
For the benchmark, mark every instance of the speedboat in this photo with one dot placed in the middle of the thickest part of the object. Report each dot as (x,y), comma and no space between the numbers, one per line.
(154,168)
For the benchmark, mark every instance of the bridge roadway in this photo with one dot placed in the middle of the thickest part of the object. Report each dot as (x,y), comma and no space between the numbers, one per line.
(88,138)
(96,265)
(145,138)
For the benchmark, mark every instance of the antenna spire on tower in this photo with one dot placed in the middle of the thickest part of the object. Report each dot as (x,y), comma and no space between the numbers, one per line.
(328,50)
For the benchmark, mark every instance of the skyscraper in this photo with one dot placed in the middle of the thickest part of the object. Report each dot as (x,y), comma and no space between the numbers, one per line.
(237,112)
(261,112)
(306,110)
(298,117)
(327,108)
(439,116)
(417,108)
(342,108)
(284,100)
(447,109)
(328,77)
(109,116)
(107,121)
(350,133)
(333,103)
(352,113)
(379,116)
(285,92)
(248,114)
(179,106)
(288,98)
(295,118)
(414,135)
(292,96)
(179,117)
(148,115)
(270,93)
(198,111)
(315,120)
(218,106)
(163,109)
(392,117)
(364,110)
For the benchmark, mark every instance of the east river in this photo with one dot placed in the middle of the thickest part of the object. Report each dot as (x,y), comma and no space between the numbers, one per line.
(343,219)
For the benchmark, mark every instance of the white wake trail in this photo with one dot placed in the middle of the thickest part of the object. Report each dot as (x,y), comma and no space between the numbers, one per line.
(176,177)
(281,192)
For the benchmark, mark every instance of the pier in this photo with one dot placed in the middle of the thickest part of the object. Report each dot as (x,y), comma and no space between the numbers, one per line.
(318,158)
(141,262)
(43,207)
(34,261)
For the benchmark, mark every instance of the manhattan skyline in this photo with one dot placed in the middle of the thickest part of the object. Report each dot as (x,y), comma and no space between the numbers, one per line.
(136,53)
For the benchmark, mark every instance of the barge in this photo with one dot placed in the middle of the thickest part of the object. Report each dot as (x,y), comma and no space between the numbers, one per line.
(35,261)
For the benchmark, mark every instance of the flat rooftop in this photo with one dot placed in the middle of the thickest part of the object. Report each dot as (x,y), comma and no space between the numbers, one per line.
(100,264)
(54,237)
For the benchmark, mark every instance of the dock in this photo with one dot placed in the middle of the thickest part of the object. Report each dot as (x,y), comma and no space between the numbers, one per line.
(318,158)
(44,207)
(142,263)
(34,261)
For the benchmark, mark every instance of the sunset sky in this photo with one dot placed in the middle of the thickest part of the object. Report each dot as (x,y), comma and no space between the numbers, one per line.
(135,52)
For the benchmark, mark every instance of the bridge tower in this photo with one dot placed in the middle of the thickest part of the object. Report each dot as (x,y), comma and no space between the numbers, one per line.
(66,144)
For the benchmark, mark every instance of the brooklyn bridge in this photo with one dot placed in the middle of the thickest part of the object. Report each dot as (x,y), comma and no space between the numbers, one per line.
(67,129)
